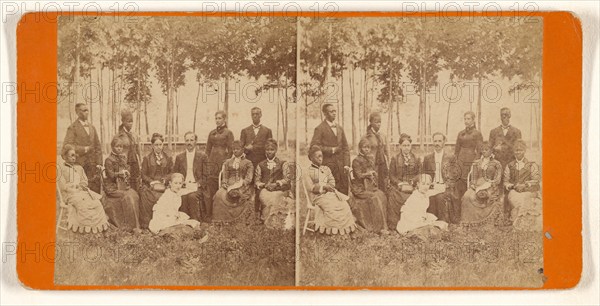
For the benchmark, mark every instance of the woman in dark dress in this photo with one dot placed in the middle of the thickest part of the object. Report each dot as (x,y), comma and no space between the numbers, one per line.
(369,202)
(404,169)
(477,209)
(121,202)
(467,150)
(156,168)
(131,148)
(235,194)
(378,149)
(218,149)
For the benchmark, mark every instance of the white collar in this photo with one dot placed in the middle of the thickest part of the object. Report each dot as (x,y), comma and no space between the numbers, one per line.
(187,152)
(330,123)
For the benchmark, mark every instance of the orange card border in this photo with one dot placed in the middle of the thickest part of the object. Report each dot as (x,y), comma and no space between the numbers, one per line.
(562,118)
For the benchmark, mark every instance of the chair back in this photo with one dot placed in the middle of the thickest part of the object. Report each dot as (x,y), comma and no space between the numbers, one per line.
(309,203)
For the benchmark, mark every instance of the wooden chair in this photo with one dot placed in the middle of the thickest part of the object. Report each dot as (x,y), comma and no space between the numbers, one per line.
(310,212)
(62,206)
(350,175)
(221,176)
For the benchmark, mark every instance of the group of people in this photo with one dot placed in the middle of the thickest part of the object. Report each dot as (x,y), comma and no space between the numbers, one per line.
(161,194)
(482,183)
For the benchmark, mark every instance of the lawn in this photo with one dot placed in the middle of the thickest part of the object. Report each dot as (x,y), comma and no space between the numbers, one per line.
(238,254)
(461,257)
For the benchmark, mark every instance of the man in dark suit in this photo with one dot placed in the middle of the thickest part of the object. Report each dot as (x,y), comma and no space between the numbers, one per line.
(83,136)
(336,154)
(444,170)
(253,140)
(503,138)
(191,164)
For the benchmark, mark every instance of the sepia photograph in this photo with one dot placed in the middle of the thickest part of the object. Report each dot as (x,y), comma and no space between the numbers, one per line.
(420,145)
(176,139)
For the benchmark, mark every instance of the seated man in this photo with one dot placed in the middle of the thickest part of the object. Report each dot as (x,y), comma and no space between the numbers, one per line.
(443,168)
(522,183)
(191,164)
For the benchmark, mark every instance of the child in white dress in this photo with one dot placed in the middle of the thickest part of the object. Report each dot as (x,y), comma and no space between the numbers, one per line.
(414,213)
(166,211)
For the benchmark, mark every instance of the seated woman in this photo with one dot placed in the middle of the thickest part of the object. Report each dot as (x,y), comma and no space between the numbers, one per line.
(332,214)
(404,167)
(232,198)
(522,182)
(369,203)
(485,169)
(166,215)
(415,219)
(85,212)
(273,185)
(156,167)
(121,202)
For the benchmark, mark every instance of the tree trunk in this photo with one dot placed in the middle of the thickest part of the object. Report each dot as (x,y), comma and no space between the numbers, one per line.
(91,99)
(226,99)
(101,102)
(285,116)
(77,75)
(352,103)
(176,111)
(342,100)
(139,103)
(366,106)
(480,92)
(278,107)
(390,109)
(146,116)
(306,119)
(448,118)
(196,108)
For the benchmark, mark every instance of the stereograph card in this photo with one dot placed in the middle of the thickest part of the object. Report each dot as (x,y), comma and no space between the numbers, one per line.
(349,151)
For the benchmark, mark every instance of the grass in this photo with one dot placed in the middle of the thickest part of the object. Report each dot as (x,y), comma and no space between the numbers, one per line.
(461,257)
(234,255)
(237,254)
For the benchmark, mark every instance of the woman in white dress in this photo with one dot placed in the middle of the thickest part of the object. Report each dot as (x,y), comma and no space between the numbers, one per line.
(333,214)
(414,212)
(85,212)
(166,211)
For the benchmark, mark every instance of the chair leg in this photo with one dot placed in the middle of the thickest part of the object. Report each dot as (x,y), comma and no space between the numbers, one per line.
(306,221)
(60,213)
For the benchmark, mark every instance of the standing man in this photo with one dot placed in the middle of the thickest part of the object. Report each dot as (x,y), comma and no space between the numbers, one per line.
(253,139)
(191,164)
(332,140)
(82,135)
(503,138)
(131,149)
(444,170)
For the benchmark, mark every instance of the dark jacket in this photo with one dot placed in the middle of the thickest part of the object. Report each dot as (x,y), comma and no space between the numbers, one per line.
(151,171)
(198,167)
(505,153)
(79,138)
(258,141)
(327,140)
